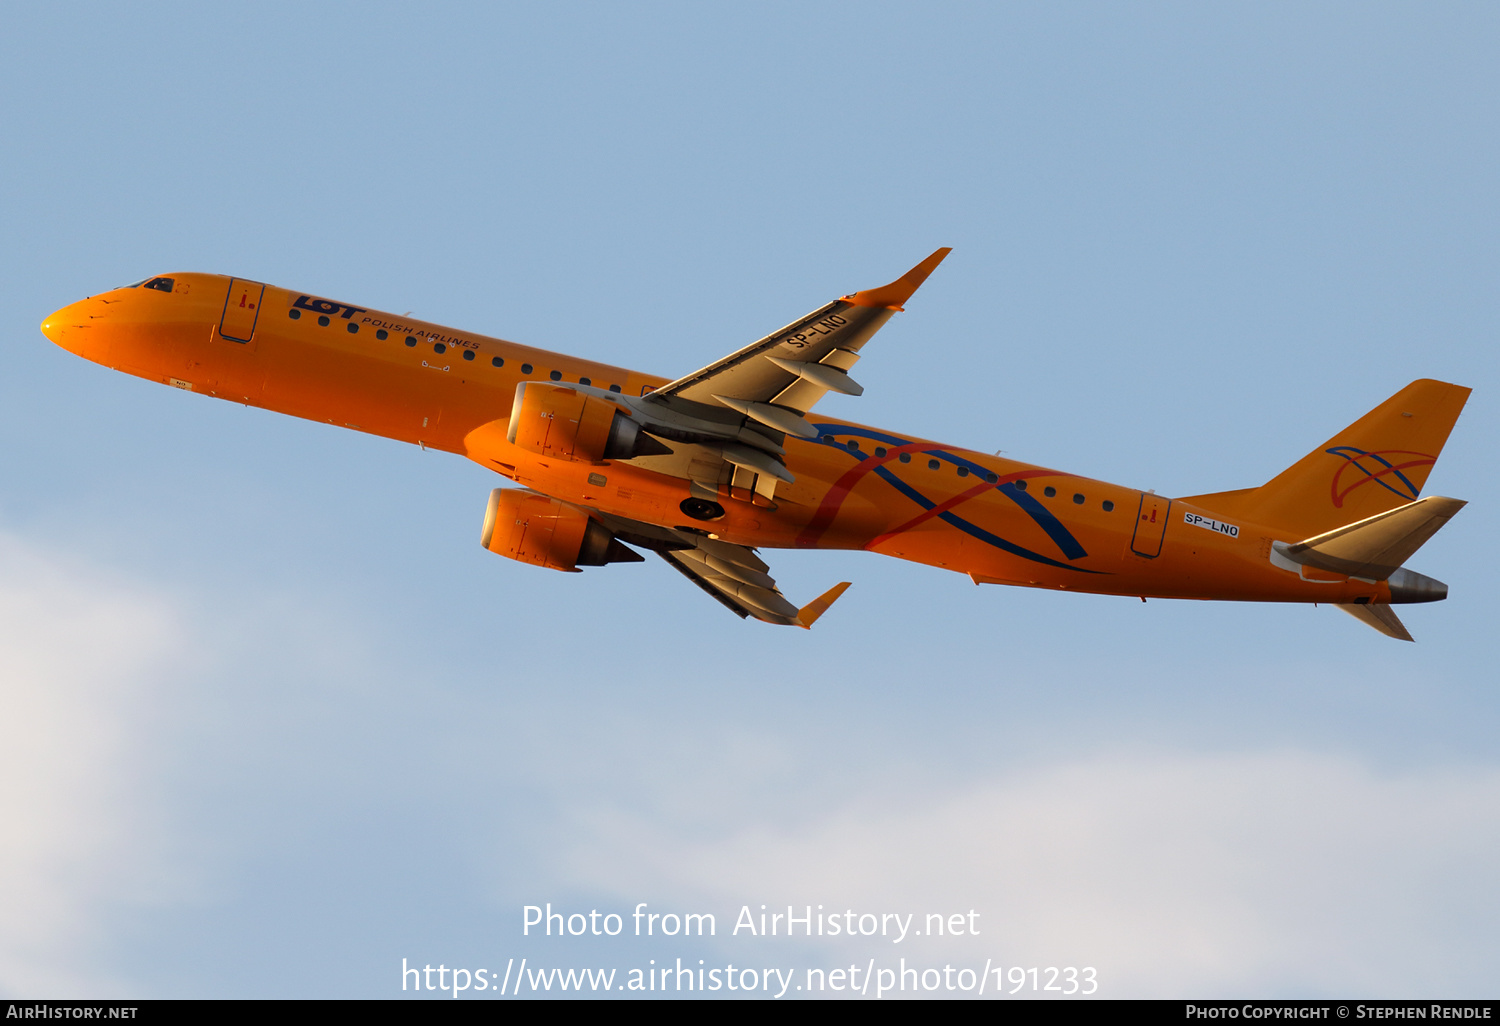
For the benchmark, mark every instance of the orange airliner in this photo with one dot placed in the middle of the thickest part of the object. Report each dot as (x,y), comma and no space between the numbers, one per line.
(707,468)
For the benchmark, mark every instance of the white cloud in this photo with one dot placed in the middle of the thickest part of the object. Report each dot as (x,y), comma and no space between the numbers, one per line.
(1271,873)
(75,829)
(1192,875)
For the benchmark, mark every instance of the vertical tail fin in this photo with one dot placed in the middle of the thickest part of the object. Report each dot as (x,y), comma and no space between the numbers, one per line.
(1379,462)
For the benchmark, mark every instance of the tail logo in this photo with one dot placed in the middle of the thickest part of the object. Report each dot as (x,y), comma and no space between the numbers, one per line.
(1376,467)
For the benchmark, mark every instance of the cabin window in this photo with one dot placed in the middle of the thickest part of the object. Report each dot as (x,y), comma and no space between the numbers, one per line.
(614,388)
(1109,507)
(438,347)
(410,341)
(963,471)
(525,368)
(1049,491)
(293,313)
(906,457)
(468,354)
(1021,485)
(991,478)
(323,321)
(933,464)
(585,381)
(853,445)
(555,375)
(353,328)
(160,284)
(1077,500)
(880,451)
(382,334)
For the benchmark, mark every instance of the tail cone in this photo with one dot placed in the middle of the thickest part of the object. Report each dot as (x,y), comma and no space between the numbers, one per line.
(1410,586)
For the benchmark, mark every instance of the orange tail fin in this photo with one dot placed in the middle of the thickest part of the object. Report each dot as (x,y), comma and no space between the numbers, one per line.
(1379,462)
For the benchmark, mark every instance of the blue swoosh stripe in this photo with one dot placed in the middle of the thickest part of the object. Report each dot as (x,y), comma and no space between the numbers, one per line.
(1043,516)
(1344,450)
(1001,543)
(973,530)
(1060,535)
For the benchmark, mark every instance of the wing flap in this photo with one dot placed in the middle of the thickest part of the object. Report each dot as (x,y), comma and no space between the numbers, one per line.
(766,604)
(734,575)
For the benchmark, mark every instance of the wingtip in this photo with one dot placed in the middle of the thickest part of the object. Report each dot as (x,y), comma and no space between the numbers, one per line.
(894,295)
(808,614)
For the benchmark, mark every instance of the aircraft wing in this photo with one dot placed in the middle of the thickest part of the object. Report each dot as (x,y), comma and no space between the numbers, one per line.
(782,376)
(733,574)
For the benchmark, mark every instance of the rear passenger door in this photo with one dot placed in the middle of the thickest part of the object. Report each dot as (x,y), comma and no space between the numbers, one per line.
(1150,524)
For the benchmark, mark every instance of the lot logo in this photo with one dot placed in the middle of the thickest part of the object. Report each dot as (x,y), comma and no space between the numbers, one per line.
(327,306)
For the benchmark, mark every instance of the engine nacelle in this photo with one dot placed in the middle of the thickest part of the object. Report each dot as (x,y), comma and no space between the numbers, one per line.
(567,424)
(538,529)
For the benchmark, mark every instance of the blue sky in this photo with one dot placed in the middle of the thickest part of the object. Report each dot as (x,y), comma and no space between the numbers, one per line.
(271,720)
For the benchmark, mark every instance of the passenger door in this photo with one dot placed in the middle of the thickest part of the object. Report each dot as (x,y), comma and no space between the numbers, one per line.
(1150,524)
(241,310)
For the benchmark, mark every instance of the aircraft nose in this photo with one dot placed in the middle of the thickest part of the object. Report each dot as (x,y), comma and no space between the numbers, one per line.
(68,327)
(52,327)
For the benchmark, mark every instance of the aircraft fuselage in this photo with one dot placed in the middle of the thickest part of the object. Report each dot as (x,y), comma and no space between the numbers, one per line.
(855,487)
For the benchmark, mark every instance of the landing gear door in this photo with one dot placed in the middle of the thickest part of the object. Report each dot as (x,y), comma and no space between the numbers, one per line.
(1150,524)
(241,310)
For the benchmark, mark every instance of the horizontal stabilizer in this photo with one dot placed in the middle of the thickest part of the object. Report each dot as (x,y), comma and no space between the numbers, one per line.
(1380,616)
(1374,548)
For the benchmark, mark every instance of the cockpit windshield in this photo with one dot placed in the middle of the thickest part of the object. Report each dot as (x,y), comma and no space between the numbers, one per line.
(159,284)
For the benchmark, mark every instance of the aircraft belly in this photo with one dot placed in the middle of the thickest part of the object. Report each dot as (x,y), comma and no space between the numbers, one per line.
(182,355)
(1201,564)
(157,352)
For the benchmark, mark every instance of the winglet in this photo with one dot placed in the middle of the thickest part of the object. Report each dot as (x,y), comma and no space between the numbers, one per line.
(900,290)
(808,614)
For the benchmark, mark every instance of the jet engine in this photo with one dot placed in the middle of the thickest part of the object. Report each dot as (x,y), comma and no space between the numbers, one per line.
(568,424)
(535,528)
